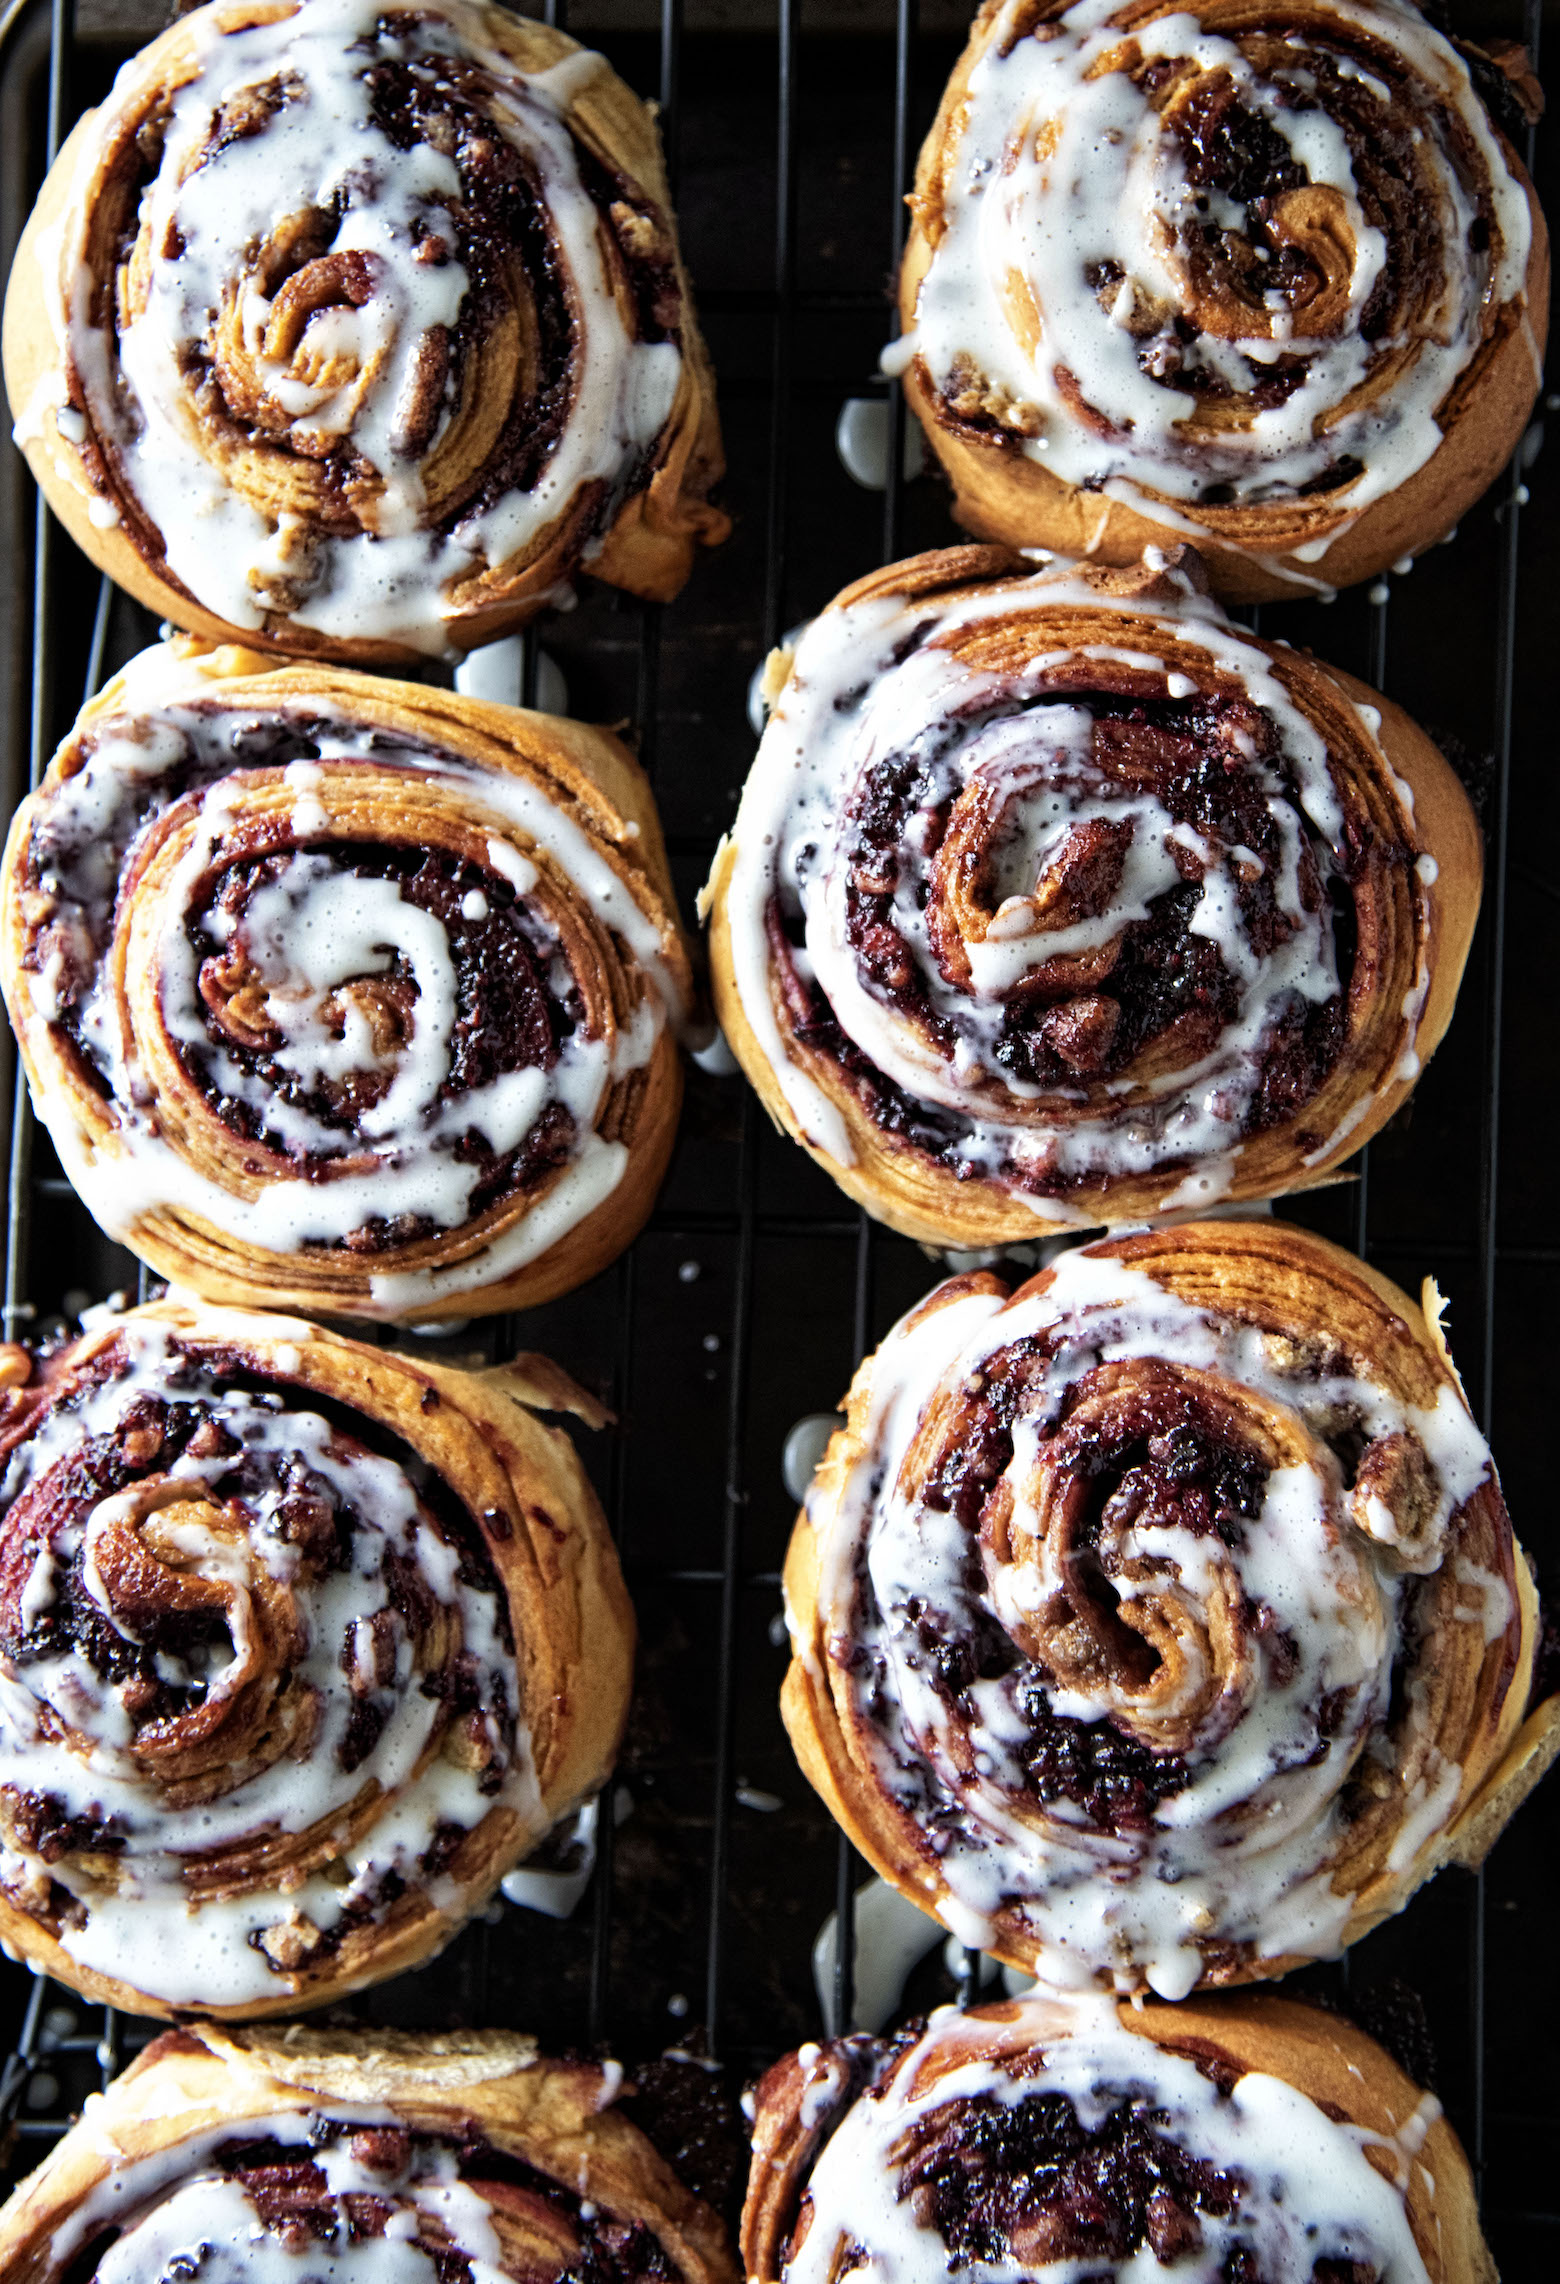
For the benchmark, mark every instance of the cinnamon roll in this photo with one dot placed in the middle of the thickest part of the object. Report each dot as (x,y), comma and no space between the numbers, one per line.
(302,1646)
(359,331)
(1274,281)
(1235,2138)
(1161,1623)
(300,2154)
(346,994)
(1054,899)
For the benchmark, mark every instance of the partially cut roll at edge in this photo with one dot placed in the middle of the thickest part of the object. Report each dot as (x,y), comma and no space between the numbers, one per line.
(347,994)
(304,1644)
(1160,1624)
(443,2152)
(1245,2135)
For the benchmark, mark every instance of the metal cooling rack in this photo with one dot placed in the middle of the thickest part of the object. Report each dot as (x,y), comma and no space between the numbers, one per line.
(754,1289)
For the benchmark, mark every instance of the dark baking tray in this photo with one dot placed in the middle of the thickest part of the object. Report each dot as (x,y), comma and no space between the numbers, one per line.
(746,1302)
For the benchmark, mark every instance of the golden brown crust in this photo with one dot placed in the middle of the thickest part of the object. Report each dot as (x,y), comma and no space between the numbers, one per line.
(1258,553)
(1321,2054)
(1470,1686)
(584,773)
(520,1481)
(648,550)
(1409,927)
(555,2116)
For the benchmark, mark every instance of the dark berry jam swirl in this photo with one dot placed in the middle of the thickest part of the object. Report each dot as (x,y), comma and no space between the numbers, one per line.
(1046,2132)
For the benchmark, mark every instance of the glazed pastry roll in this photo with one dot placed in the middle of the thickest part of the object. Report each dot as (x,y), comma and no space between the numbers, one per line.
(1275,283)
(1055,900)
(347,994)
(359,332)
(1160,1624)
(1244,2137)
(302,1646)
(296,2153)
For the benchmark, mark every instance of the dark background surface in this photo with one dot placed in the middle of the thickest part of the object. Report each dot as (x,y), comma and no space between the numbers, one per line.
(755,1287)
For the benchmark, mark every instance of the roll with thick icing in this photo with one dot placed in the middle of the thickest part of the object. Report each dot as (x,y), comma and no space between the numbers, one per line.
(1160,1623)
(1273,282)
(1055,899)
(303,1645)
(1236,2138)
(347,994)
(358,332)
(299,2154)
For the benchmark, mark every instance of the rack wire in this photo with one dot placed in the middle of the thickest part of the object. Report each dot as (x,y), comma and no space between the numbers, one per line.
(754,1289)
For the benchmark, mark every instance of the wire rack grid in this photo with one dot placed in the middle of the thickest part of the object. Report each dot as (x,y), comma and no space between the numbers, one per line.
(791,137)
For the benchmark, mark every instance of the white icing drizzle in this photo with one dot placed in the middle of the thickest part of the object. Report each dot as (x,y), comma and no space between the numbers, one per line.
(389,2208)
(217,2223)
(875,689)
(1241,1853)
(71,1735)
(311,935)
(1492,1605)
(394,208)
(1305,2189)
(137,2185)
(1075,234)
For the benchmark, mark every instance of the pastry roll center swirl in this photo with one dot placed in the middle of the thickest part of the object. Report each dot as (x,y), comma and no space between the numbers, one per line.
(236,1643)
(1113,1549)
(349,995)
(1061,917)
(345,983)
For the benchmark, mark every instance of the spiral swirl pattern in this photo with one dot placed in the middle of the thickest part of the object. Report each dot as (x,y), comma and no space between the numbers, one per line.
(347,994)
(1235,274)
(1162,1622)
(283,1657)
(1056,899)
(370,329)
(455,2158)
(1253,2140)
